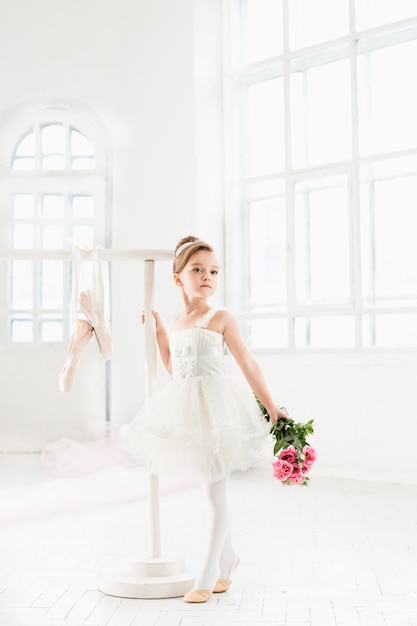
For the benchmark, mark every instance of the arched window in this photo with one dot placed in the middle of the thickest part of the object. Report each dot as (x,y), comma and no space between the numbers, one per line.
(54,146)
(54,195)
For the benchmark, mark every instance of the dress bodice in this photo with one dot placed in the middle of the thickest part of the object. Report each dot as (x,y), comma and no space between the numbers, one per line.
(197,351)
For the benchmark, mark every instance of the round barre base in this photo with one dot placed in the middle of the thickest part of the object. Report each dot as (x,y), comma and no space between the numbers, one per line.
(149,578)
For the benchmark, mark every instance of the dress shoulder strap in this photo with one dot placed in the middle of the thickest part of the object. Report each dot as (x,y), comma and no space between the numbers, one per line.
(203,322)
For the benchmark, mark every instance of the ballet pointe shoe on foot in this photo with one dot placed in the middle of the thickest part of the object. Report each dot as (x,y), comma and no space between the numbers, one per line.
(79,340)
(95,318)
(198,595)
(223,584)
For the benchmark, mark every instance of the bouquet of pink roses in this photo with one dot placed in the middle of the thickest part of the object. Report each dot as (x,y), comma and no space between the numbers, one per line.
(294,455)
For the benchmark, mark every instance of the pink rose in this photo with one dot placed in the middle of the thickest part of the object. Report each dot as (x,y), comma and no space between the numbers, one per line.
(310,455)
(298,480)
(282,469)
(296,470)
(289,454)
(297,477)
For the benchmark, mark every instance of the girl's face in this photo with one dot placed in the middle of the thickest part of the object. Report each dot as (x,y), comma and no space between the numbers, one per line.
(199,278)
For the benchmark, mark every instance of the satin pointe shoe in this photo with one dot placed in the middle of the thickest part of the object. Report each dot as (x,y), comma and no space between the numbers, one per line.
(198,595)
(223,584)
(103,336)
(79,340)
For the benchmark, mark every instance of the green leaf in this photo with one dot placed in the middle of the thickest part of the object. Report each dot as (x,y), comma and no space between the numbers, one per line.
(277,448)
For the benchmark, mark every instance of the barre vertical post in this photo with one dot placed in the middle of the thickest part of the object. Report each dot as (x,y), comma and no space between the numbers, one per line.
(150,374)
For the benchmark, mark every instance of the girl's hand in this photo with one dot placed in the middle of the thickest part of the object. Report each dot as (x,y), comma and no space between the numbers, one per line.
(159,325)
(161,338)
(278,414)
(156,316)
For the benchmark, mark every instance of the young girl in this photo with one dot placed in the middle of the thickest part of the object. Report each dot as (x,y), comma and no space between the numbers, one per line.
(204,423)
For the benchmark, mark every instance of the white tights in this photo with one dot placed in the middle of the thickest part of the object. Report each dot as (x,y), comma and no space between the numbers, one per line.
(220,554)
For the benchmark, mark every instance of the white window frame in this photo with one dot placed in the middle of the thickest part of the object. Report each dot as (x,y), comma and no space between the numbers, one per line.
(235,77)
(93,182)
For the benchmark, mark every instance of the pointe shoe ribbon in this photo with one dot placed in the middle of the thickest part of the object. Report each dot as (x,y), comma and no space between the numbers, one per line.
(95,318)
(223,584)
(81,337)
(198,595)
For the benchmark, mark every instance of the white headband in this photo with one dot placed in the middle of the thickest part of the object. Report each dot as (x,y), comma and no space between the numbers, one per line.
(184,246)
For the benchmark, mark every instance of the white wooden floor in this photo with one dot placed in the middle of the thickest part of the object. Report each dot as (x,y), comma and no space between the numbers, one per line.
(338,553)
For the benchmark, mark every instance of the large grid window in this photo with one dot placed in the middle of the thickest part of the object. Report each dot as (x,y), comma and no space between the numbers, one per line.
(55,199)
(321,160)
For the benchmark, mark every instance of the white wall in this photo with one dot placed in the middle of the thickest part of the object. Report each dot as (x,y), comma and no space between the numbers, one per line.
(148,73)
(363,409)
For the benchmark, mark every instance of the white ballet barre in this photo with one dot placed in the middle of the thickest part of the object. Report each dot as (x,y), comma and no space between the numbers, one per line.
(159,575)
(105,254)
(155,575)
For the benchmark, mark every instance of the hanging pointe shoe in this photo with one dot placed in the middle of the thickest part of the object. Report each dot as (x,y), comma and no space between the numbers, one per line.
(223,584)
(198,595)
(95,318)
(79,340)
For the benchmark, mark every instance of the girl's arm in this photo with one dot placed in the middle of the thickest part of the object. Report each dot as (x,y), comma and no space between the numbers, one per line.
(249,366)
(162,340)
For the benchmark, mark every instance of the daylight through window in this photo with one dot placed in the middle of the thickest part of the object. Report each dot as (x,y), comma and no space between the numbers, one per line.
(56,199)
(322,172)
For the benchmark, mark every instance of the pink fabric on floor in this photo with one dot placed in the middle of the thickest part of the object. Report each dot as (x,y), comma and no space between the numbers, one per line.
(68,458)
(86,475)
(110,486)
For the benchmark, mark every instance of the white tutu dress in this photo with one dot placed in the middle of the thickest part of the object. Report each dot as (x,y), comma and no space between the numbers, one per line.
(203,423)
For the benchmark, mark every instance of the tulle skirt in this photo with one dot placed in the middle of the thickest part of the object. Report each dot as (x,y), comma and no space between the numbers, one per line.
(203,427)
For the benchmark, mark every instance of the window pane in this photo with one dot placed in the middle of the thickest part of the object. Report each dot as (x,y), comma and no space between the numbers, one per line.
(26,147)
(314,22)
(325,332)
(23,164)
(80,146)
(389,251)
(265,127)
(22,206)
(267,253)
(53,206)
(263,29)
(322,241)
(51,284)
(21,329)
(22,236)
(53,139)
(82,206)
(390,331)
(83,235)
(52,237)
(387,99)
(371,13)
(321,114)
(53,162)
(51,329)
(21,284)
(266,333)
